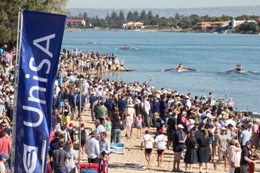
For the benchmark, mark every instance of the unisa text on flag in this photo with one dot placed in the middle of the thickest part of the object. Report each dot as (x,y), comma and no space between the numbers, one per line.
(39,50)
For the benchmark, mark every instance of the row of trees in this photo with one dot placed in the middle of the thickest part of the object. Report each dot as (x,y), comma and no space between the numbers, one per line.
(116,20)
(9,15)
(248,27)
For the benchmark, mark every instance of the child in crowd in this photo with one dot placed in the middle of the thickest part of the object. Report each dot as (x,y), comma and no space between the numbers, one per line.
(253,156)
(138,123)
(108,126)
(103,164)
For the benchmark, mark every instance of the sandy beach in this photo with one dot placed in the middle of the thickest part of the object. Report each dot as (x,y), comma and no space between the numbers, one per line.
(133,158)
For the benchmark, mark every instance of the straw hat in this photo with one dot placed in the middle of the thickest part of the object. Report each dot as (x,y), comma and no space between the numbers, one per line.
(180,126)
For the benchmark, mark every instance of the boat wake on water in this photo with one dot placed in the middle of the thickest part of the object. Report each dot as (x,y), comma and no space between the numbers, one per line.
(241,72)
(179,71)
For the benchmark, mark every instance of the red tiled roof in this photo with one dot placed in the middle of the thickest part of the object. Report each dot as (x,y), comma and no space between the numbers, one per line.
(74,20)
(220,22)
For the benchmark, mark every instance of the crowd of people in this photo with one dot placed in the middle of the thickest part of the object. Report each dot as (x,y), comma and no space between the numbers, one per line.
(200,130)
(90,62)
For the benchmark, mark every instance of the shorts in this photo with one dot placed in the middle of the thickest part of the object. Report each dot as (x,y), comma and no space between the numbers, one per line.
(170,136)
(220,155)
(148,151)
(66,119)
(177,155)
(139,126)
(160,152)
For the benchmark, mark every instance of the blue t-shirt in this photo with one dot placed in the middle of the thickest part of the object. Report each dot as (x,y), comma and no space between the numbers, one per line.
(177,136)
(245,136)
(1,51)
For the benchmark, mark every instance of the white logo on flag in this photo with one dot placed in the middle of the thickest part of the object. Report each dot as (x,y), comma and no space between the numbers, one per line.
(29,158)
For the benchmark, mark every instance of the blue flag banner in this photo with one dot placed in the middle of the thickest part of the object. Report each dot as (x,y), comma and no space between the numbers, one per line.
(41,40)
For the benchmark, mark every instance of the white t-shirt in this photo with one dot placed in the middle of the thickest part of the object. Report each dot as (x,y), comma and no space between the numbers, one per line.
(161,141)
(2,167)
(148,141)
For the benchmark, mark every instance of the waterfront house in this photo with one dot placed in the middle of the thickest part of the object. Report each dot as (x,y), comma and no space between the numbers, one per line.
(77,23)
(133,25)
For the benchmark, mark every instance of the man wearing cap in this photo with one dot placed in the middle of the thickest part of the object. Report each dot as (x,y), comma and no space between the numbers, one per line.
(3,158)
(178,146)
(245,160)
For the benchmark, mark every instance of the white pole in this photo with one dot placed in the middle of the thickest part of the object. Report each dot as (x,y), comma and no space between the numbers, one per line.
(17,67)
(43,154)
(80,107)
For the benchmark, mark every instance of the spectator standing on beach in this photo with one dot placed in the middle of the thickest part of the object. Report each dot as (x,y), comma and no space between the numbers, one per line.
(160,143)
(130,110)
(103,164)
(178,146)
(92,148)
(245,158)
(171,127)
(163,107)
(145,111)
(60,157)
(83,137)
(122,102)
(158,122)
(128,125)
(191,156)
(104,144)
(92,99)
(116,128)
(139,125)
(147,143)
(108,127)
(233,154)
(70,164)
(253,156)
(66,113)
(3,158)
(99,128)
(221,142)
(101,112)
(245,135)
(204,150)
(256,134)
(5,145)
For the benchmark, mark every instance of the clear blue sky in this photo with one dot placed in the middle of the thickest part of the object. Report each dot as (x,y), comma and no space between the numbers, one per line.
(158,3)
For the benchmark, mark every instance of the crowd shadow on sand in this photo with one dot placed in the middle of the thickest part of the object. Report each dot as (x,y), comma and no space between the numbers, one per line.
(133,166)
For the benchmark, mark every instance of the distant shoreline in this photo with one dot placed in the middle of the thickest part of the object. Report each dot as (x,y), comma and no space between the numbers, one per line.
(155,30)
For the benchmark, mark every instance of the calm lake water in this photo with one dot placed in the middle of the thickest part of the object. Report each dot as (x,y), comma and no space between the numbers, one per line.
(212,54)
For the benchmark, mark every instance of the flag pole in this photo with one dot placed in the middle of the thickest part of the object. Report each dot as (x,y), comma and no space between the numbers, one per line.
(80,107)
(17,68)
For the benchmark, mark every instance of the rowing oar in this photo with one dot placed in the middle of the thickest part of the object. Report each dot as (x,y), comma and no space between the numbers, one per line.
(168,69)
